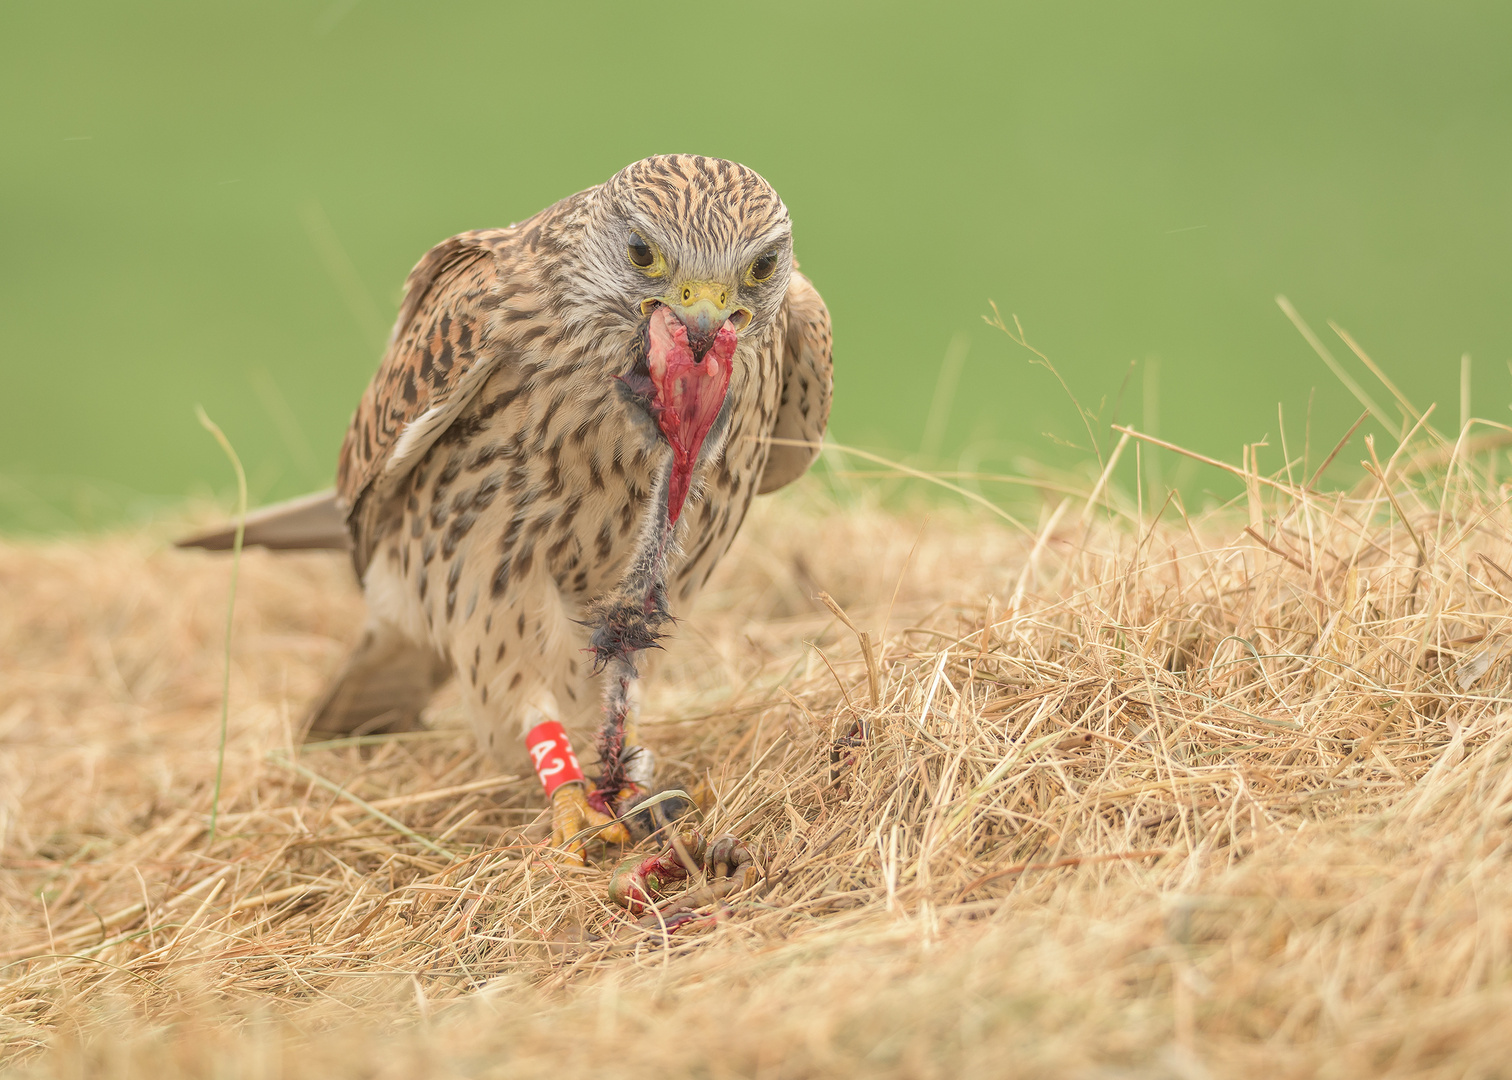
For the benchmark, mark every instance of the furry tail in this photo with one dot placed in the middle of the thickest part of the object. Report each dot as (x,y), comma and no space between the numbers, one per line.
(310,522)
(382,686)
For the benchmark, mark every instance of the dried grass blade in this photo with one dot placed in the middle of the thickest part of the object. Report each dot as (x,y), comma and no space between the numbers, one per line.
(1333,365)
(336,789)
(1056,864)
(873,677)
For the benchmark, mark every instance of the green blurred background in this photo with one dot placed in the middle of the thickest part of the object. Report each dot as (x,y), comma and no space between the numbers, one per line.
(217,202)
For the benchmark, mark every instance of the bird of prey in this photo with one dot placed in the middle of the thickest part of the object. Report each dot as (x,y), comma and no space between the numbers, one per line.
(566,430)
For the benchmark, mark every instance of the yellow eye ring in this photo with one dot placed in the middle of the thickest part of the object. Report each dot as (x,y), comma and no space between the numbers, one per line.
(762,268)
(643,255)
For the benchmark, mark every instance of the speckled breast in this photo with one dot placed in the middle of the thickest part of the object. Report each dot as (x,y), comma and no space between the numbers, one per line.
(548,470)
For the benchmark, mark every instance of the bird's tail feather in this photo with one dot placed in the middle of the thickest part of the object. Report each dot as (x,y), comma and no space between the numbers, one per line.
(382,687)
(310,522)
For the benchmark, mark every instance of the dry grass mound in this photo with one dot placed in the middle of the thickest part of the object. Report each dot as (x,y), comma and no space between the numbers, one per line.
(1126,793)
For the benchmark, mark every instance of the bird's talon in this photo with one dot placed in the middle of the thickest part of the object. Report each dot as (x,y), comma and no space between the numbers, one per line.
(574,810)
(729,857)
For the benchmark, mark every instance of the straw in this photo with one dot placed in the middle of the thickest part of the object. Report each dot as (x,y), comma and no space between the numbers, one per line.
(1223,794)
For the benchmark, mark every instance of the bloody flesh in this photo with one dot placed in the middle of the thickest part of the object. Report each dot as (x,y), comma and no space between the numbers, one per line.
(689,394)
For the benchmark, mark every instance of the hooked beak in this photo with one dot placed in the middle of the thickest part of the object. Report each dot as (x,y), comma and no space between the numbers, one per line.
(703,307)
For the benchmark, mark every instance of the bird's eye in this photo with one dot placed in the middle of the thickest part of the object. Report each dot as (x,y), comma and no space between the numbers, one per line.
(640,252)
(763,268)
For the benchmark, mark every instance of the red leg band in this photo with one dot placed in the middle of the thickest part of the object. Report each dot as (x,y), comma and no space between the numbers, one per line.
(551,750)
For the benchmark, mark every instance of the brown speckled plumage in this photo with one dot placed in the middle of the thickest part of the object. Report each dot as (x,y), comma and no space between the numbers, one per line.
(497,478)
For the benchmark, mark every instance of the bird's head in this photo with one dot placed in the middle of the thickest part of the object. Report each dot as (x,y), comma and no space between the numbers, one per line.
(695,254)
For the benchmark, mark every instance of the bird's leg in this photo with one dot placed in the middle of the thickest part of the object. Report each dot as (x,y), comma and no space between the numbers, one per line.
(572,814)
(630,621)
(626,622)
(614,737)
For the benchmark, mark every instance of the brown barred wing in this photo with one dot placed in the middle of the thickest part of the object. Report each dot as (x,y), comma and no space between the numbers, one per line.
(439,354)
(807,386)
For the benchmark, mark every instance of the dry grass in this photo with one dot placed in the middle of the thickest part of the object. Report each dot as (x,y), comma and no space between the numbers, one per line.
(1140,796)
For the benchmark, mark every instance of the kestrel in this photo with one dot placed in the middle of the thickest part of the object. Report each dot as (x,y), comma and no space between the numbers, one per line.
(568,426)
